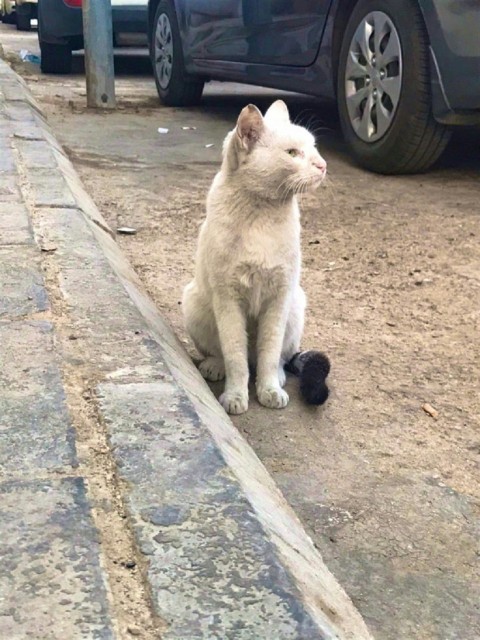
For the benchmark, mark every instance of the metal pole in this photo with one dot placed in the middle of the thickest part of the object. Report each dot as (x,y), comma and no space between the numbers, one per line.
(98,38)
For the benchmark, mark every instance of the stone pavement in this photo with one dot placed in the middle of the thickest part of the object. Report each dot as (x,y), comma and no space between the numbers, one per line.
(130,506)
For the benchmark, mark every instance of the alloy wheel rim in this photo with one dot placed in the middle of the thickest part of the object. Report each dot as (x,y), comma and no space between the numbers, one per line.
(373,76)
(163,51)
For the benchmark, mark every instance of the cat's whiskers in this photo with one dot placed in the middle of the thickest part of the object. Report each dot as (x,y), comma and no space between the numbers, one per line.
(321,127)
(300,117)
(295,183)
(287,190)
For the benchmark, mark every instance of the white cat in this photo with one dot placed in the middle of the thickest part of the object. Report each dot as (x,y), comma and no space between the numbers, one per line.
(245,303)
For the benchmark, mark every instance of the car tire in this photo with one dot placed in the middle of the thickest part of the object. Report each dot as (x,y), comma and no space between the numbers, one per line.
(24,17)
(175,87)
(55,58)
(384,98)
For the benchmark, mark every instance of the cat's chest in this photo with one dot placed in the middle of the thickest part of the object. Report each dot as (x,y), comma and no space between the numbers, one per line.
(263,267)
(267,248)
(254,285)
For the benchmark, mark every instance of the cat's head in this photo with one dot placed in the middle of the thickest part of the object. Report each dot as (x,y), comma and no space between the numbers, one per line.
(271,155)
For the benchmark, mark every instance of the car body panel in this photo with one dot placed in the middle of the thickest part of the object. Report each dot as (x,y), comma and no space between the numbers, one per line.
(316,78)
(454,33)
(254,30)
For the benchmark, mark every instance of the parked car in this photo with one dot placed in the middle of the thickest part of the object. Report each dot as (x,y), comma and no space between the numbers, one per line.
(19,12)
(403,72)
(60,29)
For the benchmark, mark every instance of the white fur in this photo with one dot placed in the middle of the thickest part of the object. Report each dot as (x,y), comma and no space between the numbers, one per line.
(245,304)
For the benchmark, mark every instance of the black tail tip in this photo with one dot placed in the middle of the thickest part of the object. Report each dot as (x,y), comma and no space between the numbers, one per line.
(316,367)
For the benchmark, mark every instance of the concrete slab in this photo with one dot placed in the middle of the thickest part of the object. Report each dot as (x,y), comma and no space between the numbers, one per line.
(12,91)
(51,584)
(22,289)
(107,322)
(48,188)
(36,154)
(7,161)
(9,186)
(213,572)
(35,430)
(18,111)
(15,225)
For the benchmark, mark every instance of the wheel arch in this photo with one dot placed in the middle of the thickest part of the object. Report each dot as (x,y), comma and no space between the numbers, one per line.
(152,9)
(343,10)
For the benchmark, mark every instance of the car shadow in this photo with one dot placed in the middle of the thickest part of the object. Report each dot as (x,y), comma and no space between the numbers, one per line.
(127,62)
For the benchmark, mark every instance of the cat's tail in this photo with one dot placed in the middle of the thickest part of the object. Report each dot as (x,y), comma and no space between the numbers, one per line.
(312,367)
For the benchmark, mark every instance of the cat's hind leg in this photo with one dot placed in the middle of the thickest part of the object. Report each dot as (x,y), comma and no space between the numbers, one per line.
(212,368)
(294,328)
(202,328)
(293,333)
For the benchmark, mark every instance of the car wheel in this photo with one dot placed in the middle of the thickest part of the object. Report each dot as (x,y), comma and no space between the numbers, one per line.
(55,58)
(24,17)
(383,89)
(175,87)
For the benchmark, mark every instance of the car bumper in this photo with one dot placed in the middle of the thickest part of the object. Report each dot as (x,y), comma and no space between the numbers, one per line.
(61,24)
(453,30)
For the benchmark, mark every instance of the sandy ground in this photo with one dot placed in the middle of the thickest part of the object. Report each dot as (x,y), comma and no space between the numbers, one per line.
(389,494)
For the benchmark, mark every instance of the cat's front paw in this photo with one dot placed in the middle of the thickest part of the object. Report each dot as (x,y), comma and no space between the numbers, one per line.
(234,402)
(212,369)
(273,397)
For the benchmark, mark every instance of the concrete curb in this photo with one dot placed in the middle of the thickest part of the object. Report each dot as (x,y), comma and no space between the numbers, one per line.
(224,554)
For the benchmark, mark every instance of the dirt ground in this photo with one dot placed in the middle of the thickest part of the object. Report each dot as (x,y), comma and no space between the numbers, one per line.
(391,267)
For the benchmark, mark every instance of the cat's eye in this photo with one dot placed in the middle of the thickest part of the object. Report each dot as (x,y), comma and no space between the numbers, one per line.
(293,152)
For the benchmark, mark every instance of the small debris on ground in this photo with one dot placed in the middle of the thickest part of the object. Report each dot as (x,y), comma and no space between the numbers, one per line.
(126,231)
(48,247)
(28,56)
(162,130)
(189,128)
(430,410)
(207,146)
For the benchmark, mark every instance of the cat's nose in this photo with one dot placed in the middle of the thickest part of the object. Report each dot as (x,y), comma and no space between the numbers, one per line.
(320,164)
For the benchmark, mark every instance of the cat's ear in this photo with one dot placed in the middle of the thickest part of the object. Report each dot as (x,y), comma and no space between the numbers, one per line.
(278,112)
(249,126)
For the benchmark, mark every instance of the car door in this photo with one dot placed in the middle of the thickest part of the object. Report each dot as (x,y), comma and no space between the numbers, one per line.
(213,29)
(284,32)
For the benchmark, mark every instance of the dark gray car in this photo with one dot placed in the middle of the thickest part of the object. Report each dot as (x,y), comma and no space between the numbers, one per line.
(403,72)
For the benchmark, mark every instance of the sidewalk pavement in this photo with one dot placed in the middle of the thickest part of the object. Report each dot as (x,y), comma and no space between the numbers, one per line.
(111,444)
